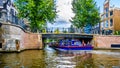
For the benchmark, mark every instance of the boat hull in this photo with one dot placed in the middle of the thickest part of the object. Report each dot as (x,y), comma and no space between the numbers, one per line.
(74,48)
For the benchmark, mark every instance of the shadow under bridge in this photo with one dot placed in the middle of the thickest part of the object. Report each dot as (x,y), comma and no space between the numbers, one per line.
(86,37)
(67,36)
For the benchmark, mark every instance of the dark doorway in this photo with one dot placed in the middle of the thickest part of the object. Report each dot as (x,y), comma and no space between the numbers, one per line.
(0,45)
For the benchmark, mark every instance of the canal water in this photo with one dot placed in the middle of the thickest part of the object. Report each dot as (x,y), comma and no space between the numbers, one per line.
(50,58)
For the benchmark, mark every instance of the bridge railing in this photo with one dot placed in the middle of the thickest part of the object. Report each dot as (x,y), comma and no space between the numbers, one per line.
(60,30)
(66,30)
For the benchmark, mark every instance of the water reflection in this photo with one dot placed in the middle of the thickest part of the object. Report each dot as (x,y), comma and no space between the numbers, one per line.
(26,59)
(50,58)
(85,61)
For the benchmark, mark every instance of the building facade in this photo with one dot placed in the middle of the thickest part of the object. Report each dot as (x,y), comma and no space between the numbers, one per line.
(8,13)
(110,19)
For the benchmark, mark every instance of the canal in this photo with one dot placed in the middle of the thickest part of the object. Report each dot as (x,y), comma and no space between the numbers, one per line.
(50,58)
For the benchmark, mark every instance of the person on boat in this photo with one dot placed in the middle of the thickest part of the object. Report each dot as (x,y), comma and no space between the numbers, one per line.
(88,44)
(83,43)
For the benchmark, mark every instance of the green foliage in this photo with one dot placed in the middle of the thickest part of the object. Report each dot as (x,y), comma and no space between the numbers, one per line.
(48,40)
(72,29)
(44,31)
(64,31)
(57,31)
(86,13)
(117,33)
(38,12)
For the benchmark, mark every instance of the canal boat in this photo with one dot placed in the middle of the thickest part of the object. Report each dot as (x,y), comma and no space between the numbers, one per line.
(73,45)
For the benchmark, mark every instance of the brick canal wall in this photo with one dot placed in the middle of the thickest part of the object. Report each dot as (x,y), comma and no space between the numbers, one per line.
(15,38)
(31,41)
(105,41)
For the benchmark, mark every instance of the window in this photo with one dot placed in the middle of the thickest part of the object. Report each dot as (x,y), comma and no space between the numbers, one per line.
(0,14)
(16,20)
(106,25)
(12,11)
(102,24)
(106,9)
(111,13)
(15,14)
(111,22)
(1,4)
(8,15)
(9,2)
(106,15)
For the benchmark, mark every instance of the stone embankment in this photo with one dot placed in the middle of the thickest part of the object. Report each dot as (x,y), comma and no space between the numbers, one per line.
(14,38)
(107,42)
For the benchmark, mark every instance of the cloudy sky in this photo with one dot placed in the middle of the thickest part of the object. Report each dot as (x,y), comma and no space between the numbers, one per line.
(64,9)
(65,13)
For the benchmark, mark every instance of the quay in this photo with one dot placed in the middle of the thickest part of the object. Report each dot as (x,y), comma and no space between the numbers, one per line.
(15,39)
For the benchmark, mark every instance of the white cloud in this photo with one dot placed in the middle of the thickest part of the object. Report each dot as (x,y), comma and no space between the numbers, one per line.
(64,8)
(61,23)
(58,25)
(64,14)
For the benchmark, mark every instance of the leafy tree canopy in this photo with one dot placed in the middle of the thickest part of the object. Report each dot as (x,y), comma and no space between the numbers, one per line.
(38,12)
(86,13)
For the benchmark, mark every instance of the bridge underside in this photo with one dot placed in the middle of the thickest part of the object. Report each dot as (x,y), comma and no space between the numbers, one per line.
(86,38)
(67,36)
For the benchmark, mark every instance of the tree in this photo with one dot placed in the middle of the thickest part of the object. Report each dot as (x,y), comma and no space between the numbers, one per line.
(38,12)
(72,29)
(86,13)
(117,32)
(57,31)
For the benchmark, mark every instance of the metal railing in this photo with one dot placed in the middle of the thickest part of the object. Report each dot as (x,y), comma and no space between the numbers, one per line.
(67,30)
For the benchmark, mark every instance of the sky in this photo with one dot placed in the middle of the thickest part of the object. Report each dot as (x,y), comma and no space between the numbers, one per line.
(115,3)
(65,12)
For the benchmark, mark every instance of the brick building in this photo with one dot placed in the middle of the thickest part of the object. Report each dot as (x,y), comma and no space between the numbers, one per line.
(110,19)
